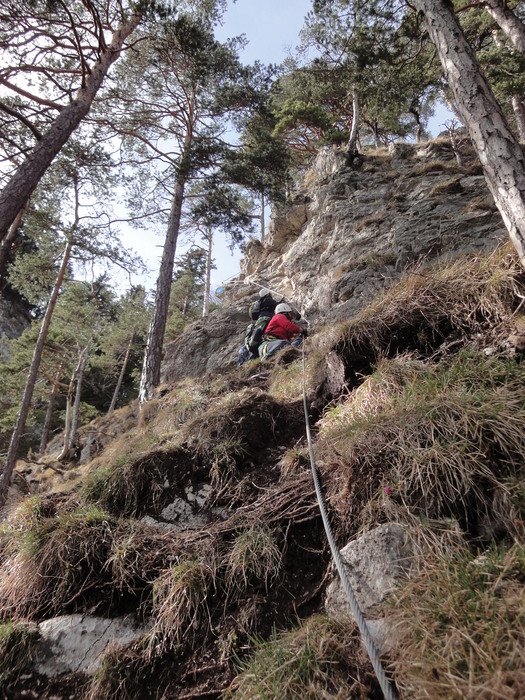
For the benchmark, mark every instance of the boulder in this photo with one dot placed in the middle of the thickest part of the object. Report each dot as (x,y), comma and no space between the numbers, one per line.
(375,564)
(77,643)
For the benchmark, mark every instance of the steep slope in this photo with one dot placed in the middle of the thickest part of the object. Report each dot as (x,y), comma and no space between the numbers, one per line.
(195,519)
(346,233)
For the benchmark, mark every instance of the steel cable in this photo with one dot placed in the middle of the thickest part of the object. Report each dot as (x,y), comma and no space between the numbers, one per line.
(370,646)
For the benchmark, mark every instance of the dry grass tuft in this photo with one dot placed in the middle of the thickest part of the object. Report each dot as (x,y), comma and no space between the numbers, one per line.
(444,440)
(130,485)
(253,559)
(320,659)
(433,166)
(180,606)
(72,557)
(461,628)
(468,297)
(286,383)
(16,650)
(121,675)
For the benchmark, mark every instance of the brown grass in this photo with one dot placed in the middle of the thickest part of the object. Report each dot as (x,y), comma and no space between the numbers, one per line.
(321,658)
(71,557)
(445,440)
(470,296)
(461,628)
(180,607)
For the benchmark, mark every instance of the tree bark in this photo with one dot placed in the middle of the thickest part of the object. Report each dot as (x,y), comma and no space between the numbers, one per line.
(121,375)
(519,115)
(10,460)
(351,147)
(507,20)
(498,149)
(49,413)
(24,181)
(7,242)
(76,407)
(262,222)
(150,376)
(207,282)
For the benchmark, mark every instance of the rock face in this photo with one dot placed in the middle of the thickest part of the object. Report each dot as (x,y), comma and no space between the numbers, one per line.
(345,234)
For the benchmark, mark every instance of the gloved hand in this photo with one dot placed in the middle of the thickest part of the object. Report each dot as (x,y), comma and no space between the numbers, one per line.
(304,333)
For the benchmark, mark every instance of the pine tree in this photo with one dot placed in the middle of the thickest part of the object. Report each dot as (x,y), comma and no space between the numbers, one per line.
(76,46)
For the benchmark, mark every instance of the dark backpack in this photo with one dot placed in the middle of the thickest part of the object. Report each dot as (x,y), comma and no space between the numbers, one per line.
(255,309)
(254,334)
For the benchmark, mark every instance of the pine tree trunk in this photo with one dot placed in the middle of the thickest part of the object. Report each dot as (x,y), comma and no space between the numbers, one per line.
(207,283)
(519,115)
(20,187)
(76,407)
(150,376)
(507,20)
(351,147)
(498,149)
(49,413)
(262,222)
(67,420)
(121,375)
(10,460)
(7,242)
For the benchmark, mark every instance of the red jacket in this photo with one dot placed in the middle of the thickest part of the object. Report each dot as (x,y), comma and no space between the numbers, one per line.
(281,327)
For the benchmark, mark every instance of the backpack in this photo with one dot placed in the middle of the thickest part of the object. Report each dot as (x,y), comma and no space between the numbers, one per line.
(254,334)
(255,310)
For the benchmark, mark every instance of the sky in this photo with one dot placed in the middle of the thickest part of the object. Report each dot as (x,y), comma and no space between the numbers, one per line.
(272,31)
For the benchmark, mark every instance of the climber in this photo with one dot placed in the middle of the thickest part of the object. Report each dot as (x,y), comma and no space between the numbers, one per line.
(281,332)
(261,311)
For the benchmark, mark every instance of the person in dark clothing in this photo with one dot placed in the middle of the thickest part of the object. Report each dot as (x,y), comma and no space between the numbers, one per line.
(260,313)
(280,332)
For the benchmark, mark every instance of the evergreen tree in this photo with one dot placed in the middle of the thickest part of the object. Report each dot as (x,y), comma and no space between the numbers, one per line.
(187,292)
(177,116)
(66,48)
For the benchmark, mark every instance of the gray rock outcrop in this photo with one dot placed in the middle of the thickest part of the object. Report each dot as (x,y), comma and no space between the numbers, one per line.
(344,235)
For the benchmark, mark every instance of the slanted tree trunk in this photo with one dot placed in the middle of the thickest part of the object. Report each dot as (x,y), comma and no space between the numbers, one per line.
(498,149)
(507,20)
(24,181)
(207,282)
(76,406)
(7,242)
(121,375)
(50,408)
(150,376)
(10,460)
